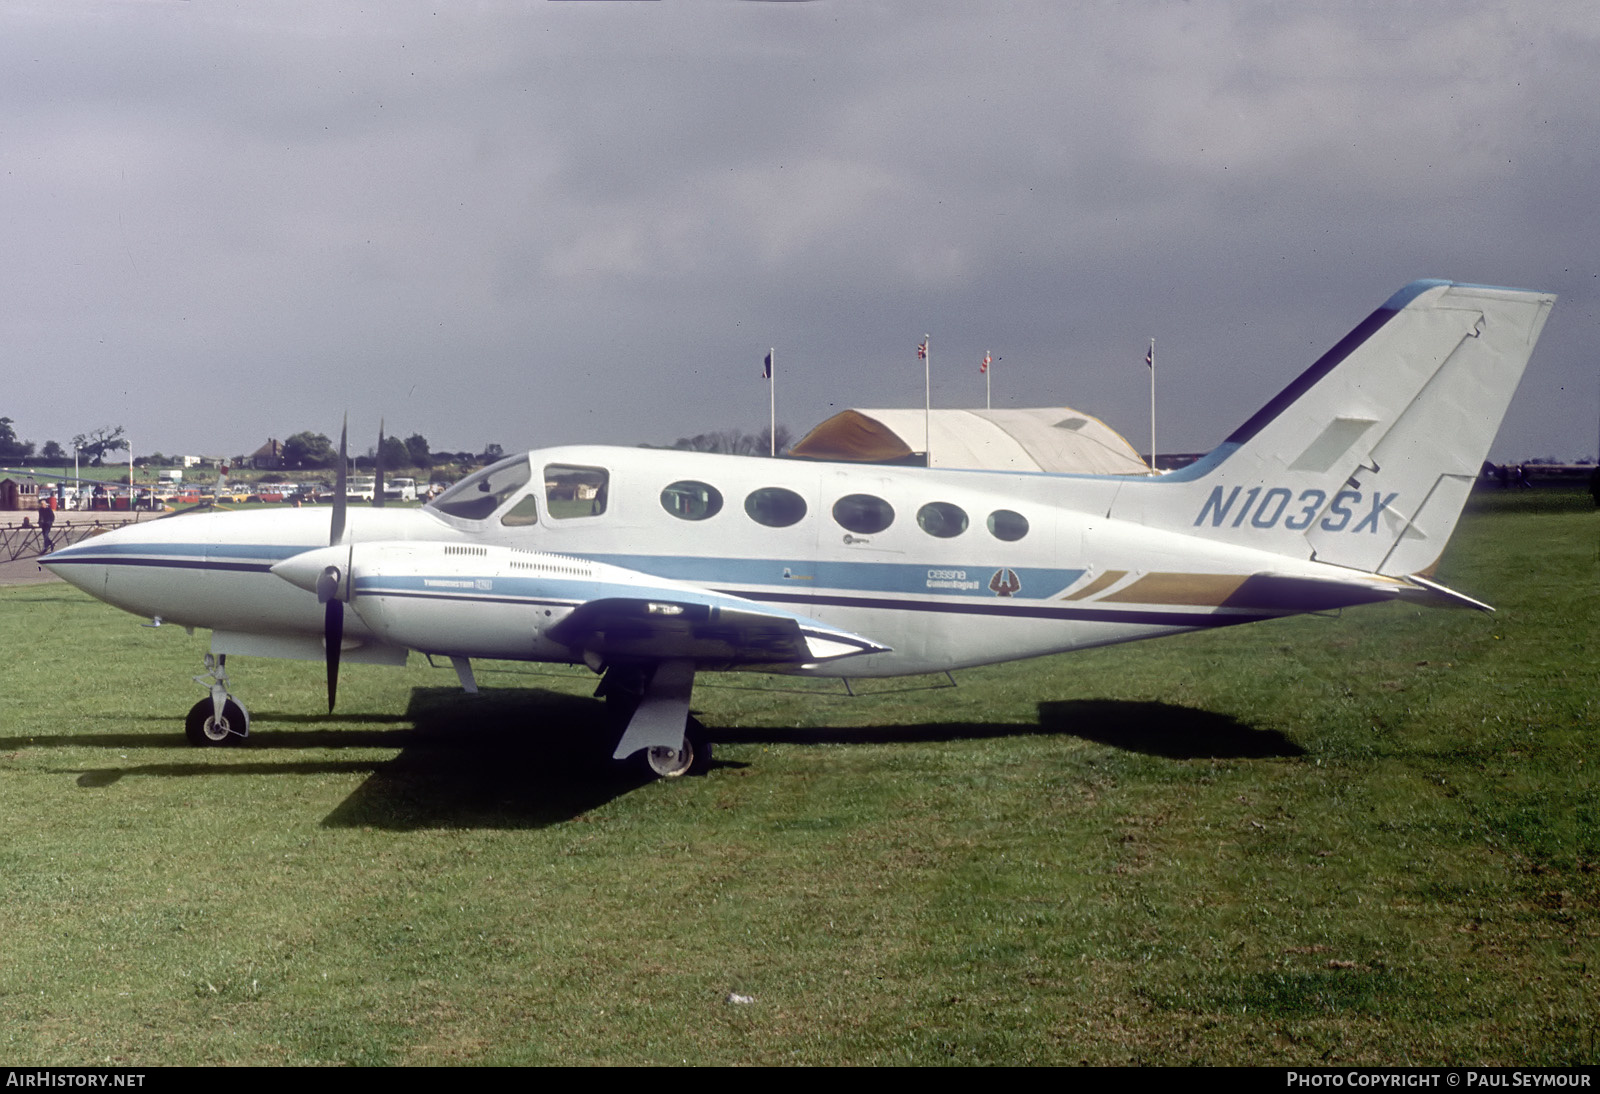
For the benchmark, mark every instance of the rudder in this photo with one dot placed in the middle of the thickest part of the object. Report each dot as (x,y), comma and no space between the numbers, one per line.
(1366,459)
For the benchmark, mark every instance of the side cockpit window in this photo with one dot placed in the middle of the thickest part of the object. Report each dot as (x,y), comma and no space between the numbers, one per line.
(571,491)
(524,514)
(477,496)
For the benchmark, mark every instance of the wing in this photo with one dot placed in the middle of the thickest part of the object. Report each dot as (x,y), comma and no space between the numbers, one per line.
(468,600)
(480,601)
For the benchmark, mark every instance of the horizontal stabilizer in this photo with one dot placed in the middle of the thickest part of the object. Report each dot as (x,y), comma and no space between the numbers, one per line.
(1299,593)
(1446,598)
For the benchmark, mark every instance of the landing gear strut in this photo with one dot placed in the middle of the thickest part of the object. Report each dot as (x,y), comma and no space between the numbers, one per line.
(652,702)
(219,718)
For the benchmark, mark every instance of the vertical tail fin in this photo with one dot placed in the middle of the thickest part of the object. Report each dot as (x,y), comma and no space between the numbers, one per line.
(1366,459)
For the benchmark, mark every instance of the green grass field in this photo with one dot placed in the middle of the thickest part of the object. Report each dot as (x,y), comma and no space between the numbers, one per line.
(1369,838)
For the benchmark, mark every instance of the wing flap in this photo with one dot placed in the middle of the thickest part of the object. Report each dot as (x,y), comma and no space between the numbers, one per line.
(708,634)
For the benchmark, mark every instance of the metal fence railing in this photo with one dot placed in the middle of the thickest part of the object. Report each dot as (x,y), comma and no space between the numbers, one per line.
(23,541)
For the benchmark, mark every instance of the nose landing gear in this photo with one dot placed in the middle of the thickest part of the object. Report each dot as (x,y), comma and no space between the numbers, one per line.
(219,718)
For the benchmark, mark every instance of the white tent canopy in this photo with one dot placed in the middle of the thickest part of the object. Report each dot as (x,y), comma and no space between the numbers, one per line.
(1030,439)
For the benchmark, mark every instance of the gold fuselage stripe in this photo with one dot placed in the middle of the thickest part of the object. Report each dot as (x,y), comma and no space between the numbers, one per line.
(1199,590)
(1104,581)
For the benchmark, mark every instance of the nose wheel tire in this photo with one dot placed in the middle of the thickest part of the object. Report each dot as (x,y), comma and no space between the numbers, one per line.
(205,730)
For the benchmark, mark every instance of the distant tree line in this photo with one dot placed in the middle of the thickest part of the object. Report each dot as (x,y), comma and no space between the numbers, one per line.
(736,442)
(302,451)
(11,448)
(308,451)
(92,446)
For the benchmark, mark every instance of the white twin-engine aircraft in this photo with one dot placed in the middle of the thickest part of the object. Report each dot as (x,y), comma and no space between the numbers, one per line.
(650,566)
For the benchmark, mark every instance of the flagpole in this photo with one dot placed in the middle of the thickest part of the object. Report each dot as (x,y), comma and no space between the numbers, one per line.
(927,399)
(988,363)
(772,401)
(1151,360)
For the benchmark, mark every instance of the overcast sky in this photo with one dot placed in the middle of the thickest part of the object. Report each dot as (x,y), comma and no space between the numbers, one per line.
(536,223)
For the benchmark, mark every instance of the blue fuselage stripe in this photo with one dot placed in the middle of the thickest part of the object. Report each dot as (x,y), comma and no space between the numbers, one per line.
(997,607)
(173,563)
(852,580)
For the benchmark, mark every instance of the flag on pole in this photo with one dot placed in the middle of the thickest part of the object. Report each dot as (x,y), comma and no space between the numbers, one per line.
(1150,356)
(772,402)
(983,368)
(922,351)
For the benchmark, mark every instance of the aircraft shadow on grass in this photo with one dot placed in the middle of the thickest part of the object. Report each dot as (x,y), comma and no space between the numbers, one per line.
(1161,729)
(1153,728)
(530,757)
(517,757)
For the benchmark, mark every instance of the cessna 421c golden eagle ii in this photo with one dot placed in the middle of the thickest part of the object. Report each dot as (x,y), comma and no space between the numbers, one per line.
(650,566)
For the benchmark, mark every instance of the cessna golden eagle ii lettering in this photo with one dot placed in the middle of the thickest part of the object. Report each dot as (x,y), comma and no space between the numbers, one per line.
(651,566)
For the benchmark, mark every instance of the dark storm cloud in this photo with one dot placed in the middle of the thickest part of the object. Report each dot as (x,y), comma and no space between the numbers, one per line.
(530,224)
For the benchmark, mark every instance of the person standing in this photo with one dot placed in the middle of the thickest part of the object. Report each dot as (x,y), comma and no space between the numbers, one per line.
(47,521)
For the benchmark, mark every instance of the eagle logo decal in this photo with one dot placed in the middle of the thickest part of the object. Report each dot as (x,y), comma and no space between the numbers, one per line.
(1005,583)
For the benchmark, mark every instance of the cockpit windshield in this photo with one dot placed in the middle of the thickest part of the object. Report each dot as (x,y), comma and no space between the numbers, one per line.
(477,496)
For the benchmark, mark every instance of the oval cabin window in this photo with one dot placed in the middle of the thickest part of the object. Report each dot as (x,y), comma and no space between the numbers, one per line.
(775,507)
(863,513)
(1006,525)
(690,500)
(941,519)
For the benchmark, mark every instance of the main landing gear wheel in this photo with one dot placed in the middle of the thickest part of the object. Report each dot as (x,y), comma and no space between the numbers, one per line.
(670,763)
(693,757)
(205,730)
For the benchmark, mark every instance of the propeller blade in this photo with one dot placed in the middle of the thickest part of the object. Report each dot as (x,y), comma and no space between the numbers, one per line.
(333,587)
(340,503)
(377,481)
(333,639)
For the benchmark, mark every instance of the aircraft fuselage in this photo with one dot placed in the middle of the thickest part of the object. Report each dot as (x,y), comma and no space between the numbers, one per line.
(946,568)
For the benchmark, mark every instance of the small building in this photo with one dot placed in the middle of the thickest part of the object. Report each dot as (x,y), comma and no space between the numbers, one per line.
(18,494)
(269,457)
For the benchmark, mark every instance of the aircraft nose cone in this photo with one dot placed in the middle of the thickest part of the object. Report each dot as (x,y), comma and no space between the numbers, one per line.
(71,561)
(103,565)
